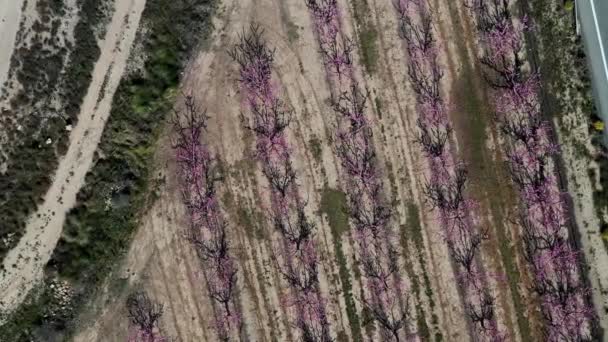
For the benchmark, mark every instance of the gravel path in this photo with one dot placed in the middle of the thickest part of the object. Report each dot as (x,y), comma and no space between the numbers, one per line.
(10,17)
(25,263)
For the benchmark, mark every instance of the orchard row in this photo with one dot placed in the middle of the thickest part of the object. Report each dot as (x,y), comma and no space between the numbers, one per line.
(543,216)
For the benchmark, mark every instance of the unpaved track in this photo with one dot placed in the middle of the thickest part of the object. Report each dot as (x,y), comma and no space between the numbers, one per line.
(10,17)
(25,263)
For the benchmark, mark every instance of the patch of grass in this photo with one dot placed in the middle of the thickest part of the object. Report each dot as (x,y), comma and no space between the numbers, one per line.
(423,329)
(472,106)
(98,230)
(392,180)
(292,32)
(261,279)
(316,148)
(379,106)
(228,199)
(82,62)
(415,228)
(600,197)
(367,320)
(248,219)
(369,48)
(473,109)
(368,36)
(333,204)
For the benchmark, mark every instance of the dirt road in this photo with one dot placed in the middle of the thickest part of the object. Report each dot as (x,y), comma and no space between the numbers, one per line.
(25,263)
(10,17)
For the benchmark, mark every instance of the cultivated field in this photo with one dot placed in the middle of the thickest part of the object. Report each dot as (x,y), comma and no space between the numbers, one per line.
(353,180)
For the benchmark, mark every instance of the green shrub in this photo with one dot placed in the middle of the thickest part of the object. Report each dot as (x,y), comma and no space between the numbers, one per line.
(31,163)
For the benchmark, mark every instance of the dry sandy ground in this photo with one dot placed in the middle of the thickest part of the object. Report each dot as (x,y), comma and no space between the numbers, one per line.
(161,260)
(10,17)
(25,263)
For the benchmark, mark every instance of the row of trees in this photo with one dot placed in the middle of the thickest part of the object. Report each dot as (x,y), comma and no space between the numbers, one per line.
(445,189)
(386,298)
(268,119)
(543,214)
(207,229)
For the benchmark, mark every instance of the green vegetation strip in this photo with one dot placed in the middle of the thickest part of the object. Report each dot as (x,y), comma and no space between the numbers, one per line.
(484,177)
(99,229)
(413,232)
(30,163)
(368,35)
(316,148)
(333,204)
